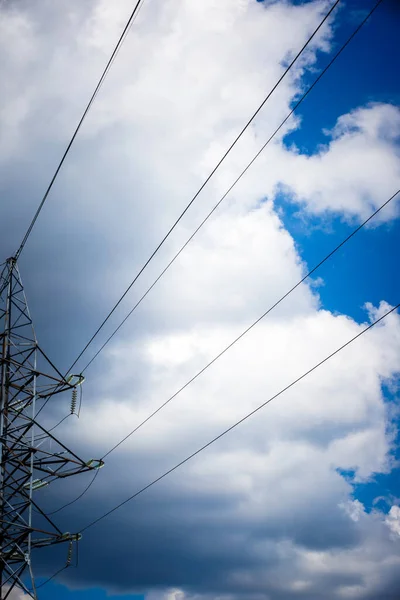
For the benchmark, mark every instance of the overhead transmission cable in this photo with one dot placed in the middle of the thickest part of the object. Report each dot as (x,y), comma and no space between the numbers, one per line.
(91,482)
(227,152)
(66,566)
(247,416)
(87,488)
(52,577)
(70,414)
(239,337)
(121,40)
(295,107)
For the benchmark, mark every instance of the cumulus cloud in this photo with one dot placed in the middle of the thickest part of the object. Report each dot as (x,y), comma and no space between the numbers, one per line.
(331,180)
(266,512)
(393,519)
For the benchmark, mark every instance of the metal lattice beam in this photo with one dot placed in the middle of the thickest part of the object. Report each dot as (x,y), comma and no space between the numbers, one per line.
(31,457)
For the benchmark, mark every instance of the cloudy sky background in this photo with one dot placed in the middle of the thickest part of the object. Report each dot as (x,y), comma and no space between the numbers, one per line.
(301,501)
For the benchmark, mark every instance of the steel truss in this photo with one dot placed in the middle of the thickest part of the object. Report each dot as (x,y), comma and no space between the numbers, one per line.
(31,457)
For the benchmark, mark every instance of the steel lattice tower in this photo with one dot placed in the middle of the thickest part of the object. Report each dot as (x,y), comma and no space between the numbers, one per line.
(31,457)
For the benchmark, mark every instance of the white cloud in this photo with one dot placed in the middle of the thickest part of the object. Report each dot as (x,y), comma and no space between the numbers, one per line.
(236,254)
(393,519)
(15,594)
(357,171)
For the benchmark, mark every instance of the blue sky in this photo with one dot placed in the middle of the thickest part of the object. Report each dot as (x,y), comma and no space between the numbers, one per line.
(116,152)
(366,269)
(59,591)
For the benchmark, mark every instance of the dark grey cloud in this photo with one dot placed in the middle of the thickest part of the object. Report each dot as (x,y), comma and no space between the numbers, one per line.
(158,544)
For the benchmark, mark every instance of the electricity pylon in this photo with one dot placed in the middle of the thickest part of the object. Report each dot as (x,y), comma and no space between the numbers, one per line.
(31,457)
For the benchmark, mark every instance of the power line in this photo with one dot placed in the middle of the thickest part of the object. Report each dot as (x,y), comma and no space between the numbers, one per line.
(205,182)
(123,35)
(87,488)
(66,566)
(239,337)
(250,414)
(70,414)
(233,185)
(52,577)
